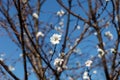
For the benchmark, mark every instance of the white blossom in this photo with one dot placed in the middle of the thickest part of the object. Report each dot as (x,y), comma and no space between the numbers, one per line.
(58,62)
(101,52)
(64,67)
(11,68)
(55,39)
(60,13)
(94,71)
(35,15)
(21,55)
(51,52)
(85,76)
(95,33)
(113,50)
(61,23)
(59,69)
(109,35)
(78,27)
(39,34)
(59,29)
(88,63)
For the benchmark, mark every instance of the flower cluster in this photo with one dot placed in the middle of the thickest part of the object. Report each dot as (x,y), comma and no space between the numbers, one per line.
(109,35)
(55,39)
(60,13)
(58,63)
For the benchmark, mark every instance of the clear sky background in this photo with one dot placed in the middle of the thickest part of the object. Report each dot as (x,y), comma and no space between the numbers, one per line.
(49,10)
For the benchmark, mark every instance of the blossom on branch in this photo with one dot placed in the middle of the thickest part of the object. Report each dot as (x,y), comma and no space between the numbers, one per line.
(109,35)
(60,13)
(58,62)
(55,39)
(101,52)
(11,68)
(88,63)
(39,34)
(35,15)
(85,76)
(113,50)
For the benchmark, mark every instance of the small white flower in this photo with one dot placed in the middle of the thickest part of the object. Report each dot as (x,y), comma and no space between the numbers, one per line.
(11,68)
(39,34)
(51,52)
(94,71)
(85,76)
(101,52)
(35,15)
(61,23)
(85,73)
(109,35)
(55,39)
(64,67)
(21,55)
(95,33)
(88,63)
(58,29)
(78,27)
(59,69)
(60,13)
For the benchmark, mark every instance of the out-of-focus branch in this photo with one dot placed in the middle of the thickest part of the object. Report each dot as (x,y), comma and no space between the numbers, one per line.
(67,27)
(75,45)
(22,39)
(7,69)
(71,12)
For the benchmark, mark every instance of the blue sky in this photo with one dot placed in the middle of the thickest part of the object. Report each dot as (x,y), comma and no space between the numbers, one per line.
(48,15)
